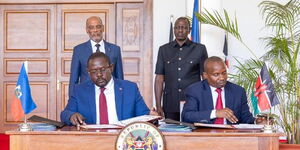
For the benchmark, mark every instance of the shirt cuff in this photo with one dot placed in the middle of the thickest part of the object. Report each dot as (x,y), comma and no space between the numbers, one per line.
(213,114)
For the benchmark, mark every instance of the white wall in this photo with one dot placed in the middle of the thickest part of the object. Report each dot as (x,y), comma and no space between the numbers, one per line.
(250,23)
(162,10)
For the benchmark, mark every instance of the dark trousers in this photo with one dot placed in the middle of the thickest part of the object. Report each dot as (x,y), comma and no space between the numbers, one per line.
(172,115)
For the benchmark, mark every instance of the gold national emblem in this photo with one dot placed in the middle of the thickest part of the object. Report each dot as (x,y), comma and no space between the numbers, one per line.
(140,136)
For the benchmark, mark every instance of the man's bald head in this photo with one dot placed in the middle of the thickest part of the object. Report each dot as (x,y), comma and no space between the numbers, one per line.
(212,59)
(215,72)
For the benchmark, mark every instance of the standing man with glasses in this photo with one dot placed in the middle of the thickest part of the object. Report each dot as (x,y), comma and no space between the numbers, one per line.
(179,64)
(96,43)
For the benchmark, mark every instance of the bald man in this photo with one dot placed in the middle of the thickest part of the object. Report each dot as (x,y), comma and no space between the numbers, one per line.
(81,53)
(216,100)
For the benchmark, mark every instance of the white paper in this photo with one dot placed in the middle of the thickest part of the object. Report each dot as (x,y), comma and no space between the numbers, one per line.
(248,126)
(139,118)
(100,126)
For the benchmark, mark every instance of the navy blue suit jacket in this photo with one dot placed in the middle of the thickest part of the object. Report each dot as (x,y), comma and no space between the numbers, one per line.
(199,103)
(129,102)
(80,57)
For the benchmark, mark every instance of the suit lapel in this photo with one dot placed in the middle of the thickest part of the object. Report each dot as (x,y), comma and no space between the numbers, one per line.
(107,49)
(119,98)
(208,96)
(91,99)
(228,97)
(89,48)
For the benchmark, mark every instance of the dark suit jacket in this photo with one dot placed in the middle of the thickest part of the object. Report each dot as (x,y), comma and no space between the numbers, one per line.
(80,56)
(199,103)
(129,102)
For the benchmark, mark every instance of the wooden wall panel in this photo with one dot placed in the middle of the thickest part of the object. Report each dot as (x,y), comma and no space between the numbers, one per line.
(20,24)
(44,32)
(131,66)
(66,66)
(131,29)
(74,26)
(28,34)
(41,98)
(64,94)
(35,66)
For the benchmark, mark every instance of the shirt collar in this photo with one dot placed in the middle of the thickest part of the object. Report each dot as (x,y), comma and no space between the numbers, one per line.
(94,43)
(188,42)
(214,88)
(109,86)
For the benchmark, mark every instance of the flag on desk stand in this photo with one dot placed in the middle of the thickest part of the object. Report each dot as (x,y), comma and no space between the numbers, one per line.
(195,24)
(264,96)
(225,51)
(171,35)
(22,102)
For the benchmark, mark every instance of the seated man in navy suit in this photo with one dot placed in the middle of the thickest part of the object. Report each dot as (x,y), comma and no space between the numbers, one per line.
(216,100)
(103,99)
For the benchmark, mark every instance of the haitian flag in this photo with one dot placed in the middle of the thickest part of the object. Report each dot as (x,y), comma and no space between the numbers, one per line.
(195,24)
(22,102)
(264,96)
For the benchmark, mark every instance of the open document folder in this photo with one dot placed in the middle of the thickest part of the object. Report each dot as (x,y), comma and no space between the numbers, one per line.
(226,126)
(122,123)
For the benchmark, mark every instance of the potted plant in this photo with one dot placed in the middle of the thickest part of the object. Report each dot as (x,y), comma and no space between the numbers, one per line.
(282,57)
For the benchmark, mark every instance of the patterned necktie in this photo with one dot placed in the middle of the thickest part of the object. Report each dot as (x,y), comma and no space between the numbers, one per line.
(103,107)
(219,105)
(98,47)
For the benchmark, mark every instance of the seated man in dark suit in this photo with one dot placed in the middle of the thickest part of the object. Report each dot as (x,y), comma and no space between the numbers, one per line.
(103,99)
(216,100)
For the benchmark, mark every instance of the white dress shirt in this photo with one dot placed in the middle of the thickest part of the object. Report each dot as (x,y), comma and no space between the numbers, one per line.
(109,93)
(214,94)
(101,48)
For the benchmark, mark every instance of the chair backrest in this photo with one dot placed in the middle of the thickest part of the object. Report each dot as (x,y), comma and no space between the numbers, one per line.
(181,108)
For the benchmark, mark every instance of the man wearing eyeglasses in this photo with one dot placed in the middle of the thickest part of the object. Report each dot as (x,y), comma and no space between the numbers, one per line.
(179,64)
(81,52)
(103,99)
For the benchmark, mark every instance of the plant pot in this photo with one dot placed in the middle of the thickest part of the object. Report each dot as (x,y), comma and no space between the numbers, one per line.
(289,146)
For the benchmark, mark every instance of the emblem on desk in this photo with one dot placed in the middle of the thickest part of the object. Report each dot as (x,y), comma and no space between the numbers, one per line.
(140,136)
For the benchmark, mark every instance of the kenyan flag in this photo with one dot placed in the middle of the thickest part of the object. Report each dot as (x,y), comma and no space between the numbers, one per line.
(264,96)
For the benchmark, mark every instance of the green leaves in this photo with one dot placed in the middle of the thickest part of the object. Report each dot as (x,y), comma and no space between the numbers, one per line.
(216,19)
(282,51)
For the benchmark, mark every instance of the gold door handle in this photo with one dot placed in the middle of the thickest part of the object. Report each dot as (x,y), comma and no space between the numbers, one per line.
(58,85)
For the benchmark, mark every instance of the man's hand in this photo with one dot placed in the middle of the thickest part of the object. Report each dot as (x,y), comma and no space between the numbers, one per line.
(160,111)
(77,119)
(153,112)
(226,113)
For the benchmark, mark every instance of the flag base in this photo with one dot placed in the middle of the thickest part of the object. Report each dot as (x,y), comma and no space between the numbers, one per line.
(268,129)
(24,127)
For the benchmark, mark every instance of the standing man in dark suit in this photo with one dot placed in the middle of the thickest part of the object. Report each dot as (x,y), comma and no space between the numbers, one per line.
(179,64)
(81,52)
(216,100)
(122,99)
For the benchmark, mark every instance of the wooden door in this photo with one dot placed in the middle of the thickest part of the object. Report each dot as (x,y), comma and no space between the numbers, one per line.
(28,34)
(71,32)
(45,32)
(133,35)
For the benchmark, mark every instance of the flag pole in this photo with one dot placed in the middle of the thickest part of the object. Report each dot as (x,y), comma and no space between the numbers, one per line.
(24,127)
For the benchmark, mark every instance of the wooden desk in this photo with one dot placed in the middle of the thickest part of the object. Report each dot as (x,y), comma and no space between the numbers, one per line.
(201,139)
